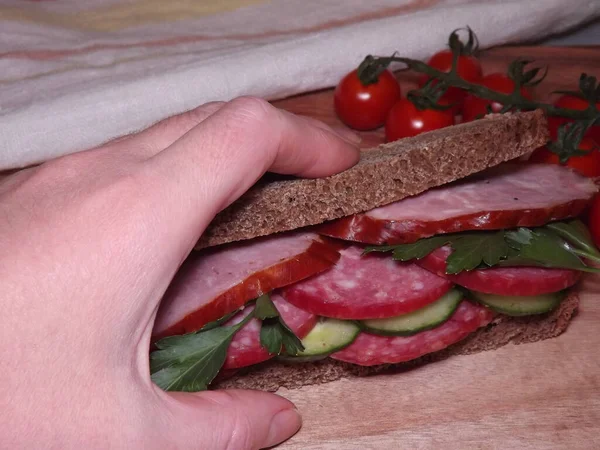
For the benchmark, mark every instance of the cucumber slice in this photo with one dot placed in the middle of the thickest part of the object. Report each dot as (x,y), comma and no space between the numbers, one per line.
(327,336)
(520,305)
(422,319)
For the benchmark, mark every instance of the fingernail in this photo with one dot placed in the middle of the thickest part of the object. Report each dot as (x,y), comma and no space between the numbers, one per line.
(283,426)
(348,135)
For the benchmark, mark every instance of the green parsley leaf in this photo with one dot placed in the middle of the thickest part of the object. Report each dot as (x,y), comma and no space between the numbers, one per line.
(378,248)
(275,335)
(577,235)
(514,259)
(517,238)
(558,245)
(542,247)
(265,308)
(470,250)
(419,249)
(291,343)
(218,322)
(191,361)
(271,336)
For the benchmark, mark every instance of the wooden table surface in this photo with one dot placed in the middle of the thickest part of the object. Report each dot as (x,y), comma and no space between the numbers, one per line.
(544,395)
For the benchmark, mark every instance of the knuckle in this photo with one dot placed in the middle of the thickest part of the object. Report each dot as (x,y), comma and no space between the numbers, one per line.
(253,109)
(182,123)
(199,114)
(253,120)
(178,122)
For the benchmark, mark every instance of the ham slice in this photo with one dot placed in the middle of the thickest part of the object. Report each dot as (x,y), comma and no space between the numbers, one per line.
(509,196)
(216,282)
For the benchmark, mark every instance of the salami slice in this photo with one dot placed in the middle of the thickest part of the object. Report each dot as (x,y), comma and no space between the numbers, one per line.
(371,350)
(503,280)
(245,349)
(372,286)
(506,197)
(215,282)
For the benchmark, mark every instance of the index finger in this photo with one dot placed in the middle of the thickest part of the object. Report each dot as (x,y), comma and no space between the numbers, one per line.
(218,160)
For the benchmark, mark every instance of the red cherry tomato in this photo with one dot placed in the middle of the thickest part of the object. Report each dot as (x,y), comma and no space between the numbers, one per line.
(594,220)
(475,107)
(469,69)
(365,107)
(587,164)
(572,102)
(405,120)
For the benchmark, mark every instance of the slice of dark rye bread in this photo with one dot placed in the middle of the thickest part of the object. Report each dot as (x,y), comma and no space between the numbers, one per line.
(503,330)
(384,175)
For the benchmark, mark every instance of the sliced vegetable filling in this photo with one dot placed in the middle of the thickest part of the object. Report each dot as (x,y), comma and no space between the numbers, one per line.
(375,308)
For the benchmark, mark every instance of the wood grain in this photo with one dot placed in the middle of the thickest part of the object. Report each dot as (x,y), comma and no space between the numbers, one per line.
(536,396)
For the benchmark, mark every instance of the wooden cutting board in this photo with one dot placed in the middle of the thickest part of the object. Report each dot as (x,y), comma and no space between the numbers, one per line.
(544,395)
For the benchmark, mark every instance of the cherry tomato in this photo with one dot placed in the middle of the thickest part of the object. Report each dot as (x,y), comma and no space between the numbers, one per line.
(475,107)
(587,164)
(594,220)
(405,120)
(365,107)
(469,69)
(572,102)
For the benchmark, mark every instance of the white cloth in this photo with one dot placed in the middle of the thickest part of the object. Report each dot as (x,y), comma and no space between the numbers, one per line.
(73,76)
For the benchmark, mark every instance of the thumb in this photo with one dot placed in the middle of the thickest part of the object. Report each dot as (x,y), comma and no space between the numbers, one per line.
(231,420)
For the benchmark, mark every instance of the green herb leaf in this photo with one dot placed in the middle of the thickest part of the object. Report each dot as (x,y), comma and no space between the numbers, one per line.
(514,259)
(577,234)
(265,308)
(378,248)
(517,238)
(271,337)
(542,247)
(473,249)
(275,335)
(291,343)
(419,249)
(218,322)
(558,245)
(191,361)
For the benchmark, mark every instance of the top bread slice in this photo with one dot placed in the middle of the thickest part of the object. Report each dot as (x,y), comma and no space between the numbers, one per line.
(384,175)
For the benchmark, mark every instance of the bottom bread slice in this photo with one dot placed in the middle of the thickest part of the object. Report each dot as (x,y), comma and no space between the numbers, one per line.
(503,330)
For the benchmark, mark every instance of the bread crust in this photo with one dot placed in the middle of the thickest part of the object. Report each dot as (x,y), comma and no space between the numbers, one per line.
(384,175)
(503,330)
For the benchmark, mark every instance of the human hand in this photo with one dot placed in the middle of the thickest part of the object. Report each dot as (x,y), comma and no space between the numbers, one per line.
(90,243)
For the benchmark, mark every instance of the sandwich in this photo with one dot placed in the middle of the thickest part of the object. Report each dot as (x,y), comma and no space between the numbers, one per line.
(430,246)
